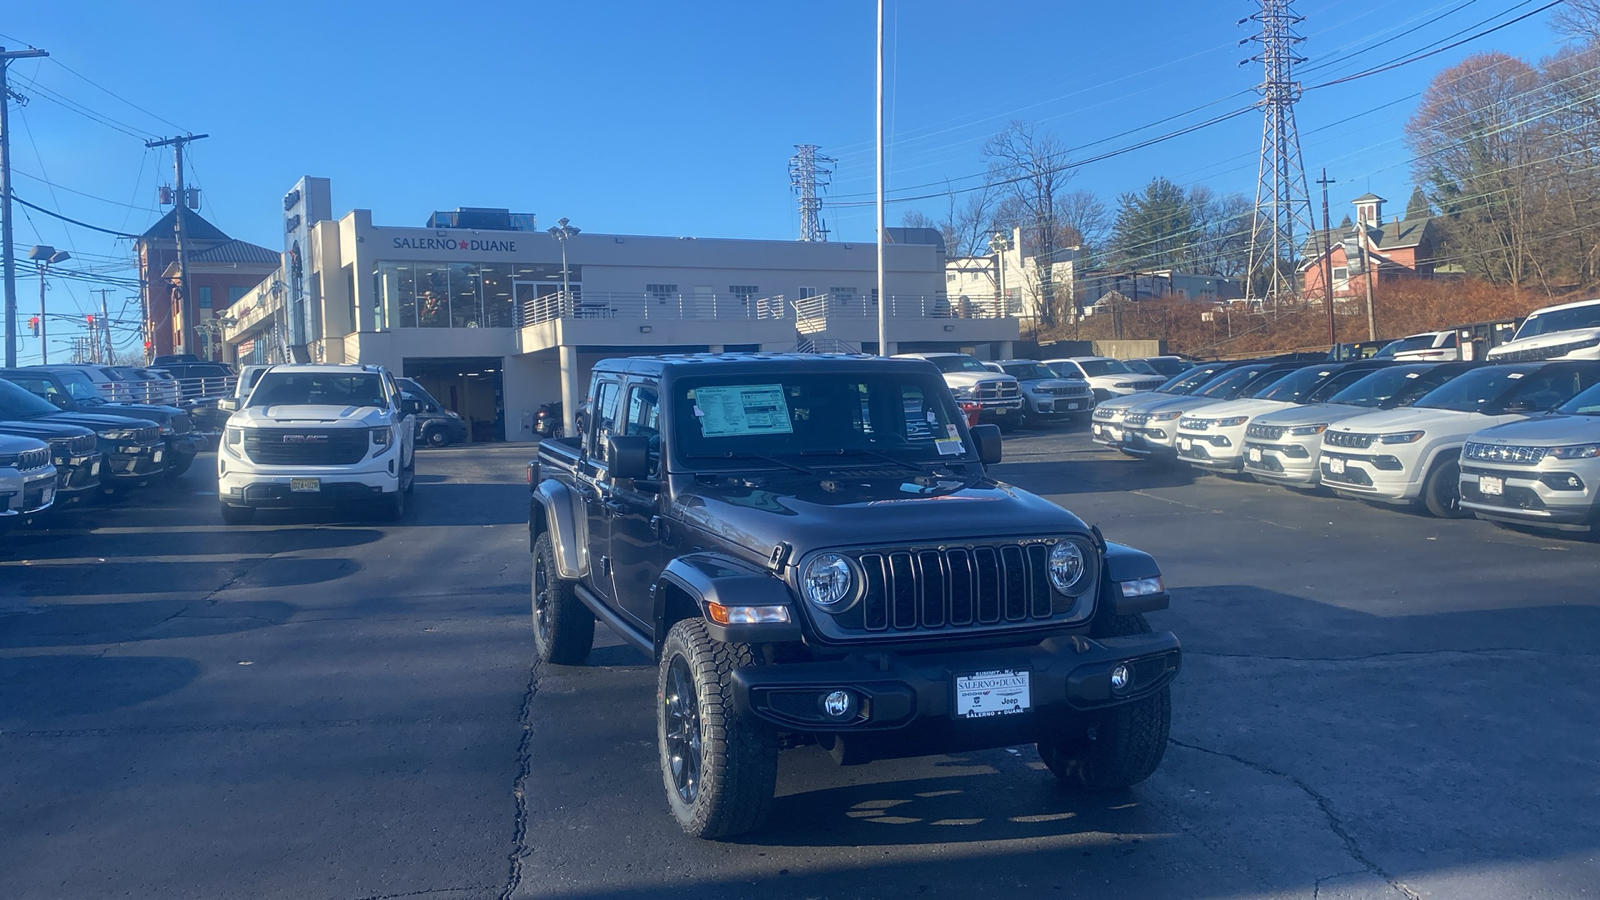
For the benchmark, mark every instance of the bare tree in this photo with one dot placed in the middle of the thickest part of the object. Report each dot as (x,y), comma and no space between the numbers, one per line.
(1573,81)
(967,225)
(1028,169)
(1476,137)
(1578,19)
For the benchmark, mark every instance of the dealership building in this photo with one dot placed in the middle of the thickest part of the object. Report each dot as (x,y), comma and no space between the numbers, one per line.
(496,317)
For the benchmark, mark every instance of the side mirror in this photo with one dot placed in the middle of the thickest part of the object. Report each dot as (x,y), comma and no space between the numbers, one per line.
(59,400)
(409,406)
(987,437)
(228,404)
(629,456)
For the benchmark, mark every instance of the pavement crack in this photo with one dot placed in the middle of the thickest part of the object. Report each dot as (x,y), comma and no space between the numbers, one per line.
(1396,654)
(424,893)
(519,787)
(1316,889)
(1335,824)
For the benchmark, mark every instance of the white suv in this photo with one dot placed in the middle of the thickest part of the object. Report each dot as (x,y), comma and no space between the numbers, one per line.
(1428,346)
(1406,455)
(27,478)
(1543,471)
(1568,331)
(1109,377)
(317,435)
(997,395)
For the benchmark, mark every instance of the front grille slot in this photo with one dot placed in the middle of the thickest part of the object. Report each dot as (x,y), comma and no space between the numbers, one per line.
(966,587)
(1265,432)
(1521,456)
(1347,439)
(963,594)
(931,566)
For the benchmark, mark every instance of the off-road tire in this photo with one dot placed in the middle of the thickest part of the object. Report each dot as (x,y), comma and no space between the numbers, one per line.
(1441,491)
(1124,746)
(238,515)
(1125,743)
(737,758)
(565,634)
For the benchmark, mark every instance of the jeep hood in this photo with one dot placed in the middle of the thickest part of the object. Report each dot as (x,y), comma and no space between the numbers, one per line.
(1162,403)
(1251,407)
(1311,414)
(1433,421)
(841,510)
(1543,431)
(324,416)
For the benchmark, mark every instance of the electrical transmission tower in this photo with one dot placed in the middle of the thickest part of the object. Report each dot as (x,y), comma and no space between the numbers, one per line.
(808,171)
(1283,204)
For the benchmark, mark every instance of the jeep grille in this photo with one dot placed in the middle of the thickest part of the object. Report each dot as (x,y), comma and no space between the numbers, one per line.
(1347,439)
(1522,456)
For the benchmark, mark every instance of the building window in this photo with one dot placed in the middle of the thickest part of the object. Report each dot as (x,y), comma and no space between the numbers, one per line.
(203,296)
(744,292)
(443,295)
(1340,273)
(661,293)
(235,294)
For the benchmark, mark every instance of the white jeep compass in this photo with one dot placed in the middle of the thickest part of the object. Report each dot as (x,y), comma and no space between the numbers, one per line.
(317,435)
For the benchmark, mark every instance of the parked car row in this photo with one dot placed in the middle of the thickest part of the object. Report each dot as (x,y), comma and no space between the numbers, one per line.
(1512,442)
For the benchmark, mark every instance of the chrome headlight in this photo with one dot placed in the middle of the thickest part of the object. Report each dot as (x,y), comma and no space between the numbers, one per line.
(1166,416)
(1576,451)
(234,435)
(1232,421)
(1069,568)
(963,393)
(1403,437)
(828,581)
(1308,430)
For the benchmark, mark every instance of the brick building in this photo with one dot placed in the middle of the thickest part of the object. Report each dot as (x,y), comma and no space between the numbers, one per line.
(1403,248)
(221,270)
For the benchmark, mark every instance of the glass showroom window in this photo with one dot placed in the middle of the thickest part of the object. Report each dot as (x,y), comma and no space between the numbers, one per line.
(496,284)
(465,311)
(433,296)
(445,295)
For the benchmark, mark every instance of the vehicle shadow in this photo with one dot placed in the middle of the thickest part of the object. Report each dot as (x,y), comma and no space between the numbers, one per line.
(83,624)
(61,543)
(40,688)
(169,577)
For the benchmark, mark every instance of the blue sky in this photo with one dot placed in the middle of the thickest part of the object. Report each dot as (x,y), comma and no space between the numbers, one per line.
(671,118)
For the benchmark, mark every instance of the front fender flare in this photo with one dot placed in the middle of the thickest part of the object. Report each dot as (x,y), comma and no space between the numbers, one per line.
(568,526)
(709,578)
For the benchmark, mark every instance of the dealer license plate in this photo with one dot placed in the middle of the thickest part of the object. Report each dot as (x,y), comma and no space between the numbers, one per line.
(1336,466)
(1001,411)
(94,469)
(305,485)
(1255,454)
(998,693)
(156,455)
(1096,427)
(1490,486)
(1185,443)
(1072,406)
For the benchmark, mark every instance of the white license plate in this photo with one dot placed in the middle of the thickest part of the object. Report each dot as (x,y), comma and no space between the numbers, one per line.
(156,455)
(1336,466)
(1072,406)
(998,693)
(1001,411)
(1185,443)
(94,469)
(1490,486)
(1096,428)
(1255,454)
(305,485)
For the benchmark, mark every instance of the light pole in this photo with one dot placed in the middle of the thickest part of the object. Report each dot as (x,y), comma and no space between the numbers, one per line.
(564,231)
(999,244)
(45,255)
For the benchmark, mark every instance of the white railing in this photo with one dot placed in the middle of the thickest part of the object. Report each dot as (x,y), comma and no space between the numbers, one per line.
(598,305)
(823,307)
(168,392)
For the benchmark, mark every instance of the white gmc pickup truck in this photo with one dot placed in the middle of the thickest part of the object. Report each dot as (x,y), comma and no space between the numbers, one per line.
(317,436)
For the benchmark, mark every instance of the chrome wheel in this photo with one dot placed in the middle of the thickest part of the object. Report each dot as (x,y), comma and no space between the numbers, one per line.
(682,711)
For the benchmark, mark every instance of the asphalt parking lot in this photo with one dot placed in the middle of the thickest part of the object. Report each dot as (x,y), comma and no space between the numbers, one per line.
(1374,704)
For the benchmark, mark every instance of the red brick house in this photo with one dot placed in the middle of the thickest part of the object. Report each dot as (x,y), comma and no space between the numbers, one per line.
(1403,248)
(221,270)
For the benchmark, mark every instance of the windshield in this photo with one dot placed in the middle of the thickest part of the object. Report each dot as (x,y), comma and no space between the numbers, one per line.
(1295,385)
(79,385)
(1105,367)
(1415,342)
(957,364)
(1027,371)
(1187,382)
(803,414)
(319,389)
(17,403)
(1228,385)
(1386,388)
(1584,404)
(1560,320)
(1474,390)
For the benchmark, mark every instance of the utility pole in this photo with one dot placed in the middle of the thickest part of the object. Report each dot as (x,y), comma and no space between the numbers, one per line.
(1369,274)
(1327,260)
(8,262)
(180,202)
(883,294)
(105,325)
(1282,201)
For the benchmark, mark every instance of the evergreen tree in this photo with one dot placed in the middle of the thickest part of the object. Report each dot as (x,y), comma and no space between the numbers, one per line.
(1417,207)
(1154,227)
(1346,224)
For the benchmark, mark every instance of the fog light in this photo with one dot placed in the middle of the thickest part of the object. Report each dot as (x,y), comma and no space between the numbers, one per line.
(1121,678)
(839,704)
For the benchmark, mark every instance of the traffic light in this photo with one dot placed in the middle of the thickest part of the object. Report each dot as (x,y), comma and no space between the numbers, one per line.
(90,318)
(33,325)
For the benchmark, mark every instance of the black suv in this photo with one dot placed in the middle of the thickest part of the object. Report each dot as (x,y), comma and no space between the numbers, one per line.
(436,426)
(812,550)
(70,390)
(126,452)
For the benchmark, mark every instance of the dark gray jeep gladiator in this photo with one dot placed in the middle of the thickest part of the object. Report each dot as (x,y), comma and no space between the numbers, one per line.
(812,551)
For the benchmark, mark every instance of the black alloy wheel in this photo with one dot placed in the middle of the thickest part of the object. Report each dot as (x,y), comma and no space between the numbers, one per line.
(682,730)
(541,598)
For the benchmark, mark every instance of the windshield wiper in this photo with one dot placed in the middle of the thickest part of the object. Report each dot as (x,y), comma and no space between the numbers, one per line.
(864,452)
(740,454)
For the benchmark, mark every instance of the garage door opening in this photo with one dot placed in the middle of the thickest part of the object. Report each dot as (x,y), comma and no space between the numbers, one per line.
(472,386)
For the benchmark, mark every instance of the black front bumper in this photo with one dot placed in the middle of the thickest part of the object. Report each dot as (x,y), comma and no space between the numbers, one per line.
(133,463)
(905,705)
(268,495)
(77,476)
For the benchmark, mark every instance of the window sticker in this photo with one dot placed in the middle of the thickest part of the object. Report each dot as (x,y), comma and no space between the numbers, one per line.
(949,446)
(743,409)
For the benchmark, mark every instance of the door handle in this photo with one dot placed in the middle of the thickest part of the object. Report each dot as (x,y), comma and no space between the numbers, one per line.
(659,526)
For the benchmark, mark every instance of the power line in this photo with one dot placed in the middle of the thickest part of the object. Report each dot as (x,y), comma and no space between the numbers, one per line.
(1451,46)
(56,215)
